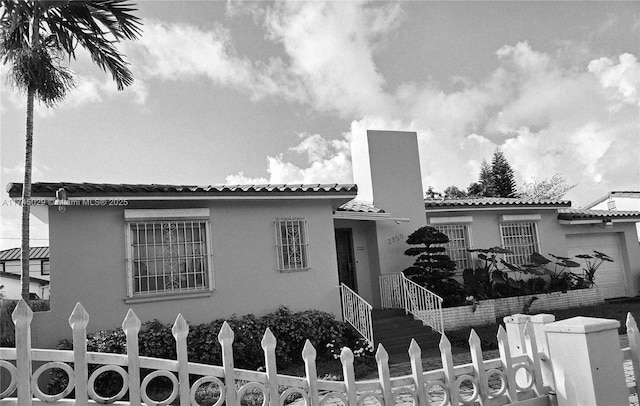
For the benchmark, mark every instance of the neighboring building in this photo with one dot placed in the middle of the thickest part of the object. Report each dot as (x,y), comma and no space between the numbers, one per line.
(620,201)
(11,271)
(544,226)
(212,251)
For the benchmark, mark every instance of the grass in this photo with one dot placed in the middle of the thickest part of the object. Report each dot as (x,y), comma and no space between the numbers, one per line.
(616,309)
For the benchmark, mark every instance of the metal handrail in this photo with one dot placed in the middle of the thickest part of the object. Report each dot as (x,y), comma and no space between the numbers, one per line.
(357,312)
(399,291)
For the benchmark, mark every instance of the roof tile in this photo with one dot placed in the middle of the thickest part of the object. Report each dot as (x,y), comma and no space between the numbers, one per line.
(494,201)
(49,189)
(360,206)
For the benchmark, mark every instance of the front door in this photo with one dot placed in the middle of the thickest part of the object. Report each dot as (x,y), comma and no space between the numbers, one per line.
(346,263)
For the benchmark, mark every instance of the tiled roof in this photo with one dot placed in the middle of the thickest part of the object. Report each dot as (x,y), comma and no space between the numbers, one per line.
(576,214)
(103,189)
(360,206)
(495,201)
(13,254)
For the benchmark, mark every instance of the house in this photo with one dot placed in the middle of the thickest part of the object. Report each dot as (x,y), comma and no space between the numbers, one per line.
(213,251)
(544,226)
(11,271)
(618,200)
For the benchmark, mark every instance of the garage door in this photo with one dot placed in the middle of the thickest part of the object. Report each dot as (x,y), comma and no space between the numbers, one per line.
(610,276)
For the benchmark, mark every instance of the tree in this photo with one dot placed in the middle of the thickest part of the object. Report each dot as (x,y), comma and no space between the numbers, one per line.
(502,176)
(452,192)
(432,268)
(485,180)
(553,188)
(36,37)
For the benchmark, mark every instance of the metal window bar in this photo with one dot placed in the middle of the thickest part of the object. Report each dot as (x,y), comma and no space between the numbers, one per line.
(458,245)
(169,256)
(292,244)
(520,238)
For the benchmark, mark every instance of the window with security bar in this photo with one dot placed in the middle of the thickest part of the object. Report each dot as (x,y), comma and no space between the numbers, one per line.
(168,256)
(458,245)
(521,238)
(291,244)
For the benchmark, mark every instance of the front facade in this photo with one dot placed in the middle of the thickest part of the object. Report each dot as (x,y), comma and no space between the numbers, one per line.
(546,227)
(11,271)
(204,252)
(211,252)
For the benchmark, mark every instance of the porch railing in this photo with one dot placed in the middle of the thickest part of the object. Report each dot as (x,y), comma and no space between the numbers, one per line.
(399,292)
(357,312)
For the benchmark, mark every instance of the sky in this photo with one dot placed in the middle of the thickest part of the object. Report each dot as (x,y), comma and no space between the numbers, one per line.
(272,92)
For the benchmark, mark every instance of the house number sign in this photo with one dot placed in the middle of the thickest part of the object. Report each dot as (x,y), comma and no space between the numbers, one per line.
(396,238)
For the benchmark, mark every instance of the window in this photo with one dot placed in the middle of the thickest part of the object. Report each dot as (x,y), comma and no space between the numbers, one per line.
(522,239)
(45,267)
(292,244)
(168,255)
(458,245)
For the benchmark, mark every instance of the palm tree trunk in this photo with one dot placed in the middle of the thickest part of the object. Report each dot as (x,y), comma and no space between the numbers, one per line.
(26,196)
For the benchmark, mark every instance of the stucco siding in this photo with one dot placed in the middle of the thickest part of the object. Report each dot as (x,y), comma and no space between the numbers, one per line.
(88,252)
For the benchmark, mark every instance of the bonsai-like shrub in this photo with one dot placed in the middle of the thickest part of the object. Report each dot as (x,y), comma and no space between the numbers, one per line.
(432,268)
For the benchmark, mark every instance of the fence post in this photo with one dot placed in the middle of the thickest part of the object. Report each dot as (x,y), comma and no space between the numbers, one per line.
(415,355)
(309,356)
(180,331)
(515,333)
(382,358)
(346,357)
(225,337)
(131,327)
(22,316)
(538,322)
(78,321)
(448,369)
(587,362)
(478,366)
(269,347)
(507,364)
(634,345)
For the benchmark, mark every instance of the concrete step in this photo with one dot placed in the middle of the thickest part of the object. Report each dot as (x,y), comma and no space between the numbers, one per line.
(395,330)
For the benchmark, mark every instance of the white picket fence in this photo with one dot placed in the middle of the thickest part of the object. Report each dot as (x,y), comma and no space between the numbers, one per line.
(399,292)
(509,379)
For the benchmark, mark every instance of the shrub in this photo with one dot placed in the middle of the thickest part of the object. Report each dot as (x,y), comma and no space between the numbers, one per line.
(291,330)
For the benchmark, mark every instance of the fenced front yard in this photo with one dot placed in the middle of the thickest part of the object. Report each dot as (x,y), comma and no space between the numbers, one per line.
(533,353)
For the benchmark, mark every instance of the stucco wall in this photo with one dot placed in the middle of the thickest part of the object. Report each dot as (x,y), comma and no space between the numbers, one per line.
(88,253)
(485,233)
(485,228)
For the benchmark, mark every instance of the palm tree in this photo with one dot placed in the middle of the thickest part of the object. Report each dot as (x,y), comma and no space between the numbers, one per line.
(36,37)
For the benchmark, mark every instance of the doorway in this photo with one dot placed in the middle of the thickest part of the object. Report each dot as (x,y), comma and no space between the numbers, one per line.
(346,262)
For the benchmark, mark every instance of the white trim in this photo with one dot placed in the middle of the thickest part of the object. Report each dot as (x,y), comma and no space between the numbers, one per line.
(598,221)
(451,220)
(520,217)
(351,215)
(173,214)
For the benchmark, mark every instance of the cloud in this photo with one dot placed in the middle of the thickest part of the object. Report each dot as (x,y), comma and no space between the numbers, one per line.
(180,51)
(580,121)
(328,162)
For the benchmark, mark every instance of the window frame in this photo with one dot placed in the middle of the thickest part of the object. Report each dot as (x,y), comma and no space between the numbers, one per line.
(466,229)
(42,270)
(144,216)
(302,243)
(536,246)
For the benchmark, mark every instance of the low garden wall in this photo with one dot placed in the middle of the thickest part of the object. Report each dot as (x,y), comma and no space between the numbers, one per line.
(488,311)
